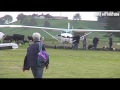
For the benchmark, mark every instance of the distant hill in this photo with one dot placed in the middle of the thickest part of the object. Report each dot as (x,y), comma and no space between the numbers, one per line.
(75,23)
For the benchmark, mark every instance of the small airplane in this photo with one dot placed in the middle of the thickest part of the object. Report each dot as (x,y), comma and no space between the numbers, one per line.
(66,34)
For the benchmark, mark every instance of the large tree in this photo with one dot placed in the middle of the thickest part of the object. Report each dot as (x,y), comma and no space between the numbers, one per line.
(77,16)
(48,16)
(21,17)
(7,19)
(113,22)
(35,15)
(101,18)
(2,21)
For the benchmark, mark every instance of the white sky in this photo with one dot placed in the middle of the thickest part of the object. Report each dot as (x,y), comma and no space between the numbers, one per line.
(84,15)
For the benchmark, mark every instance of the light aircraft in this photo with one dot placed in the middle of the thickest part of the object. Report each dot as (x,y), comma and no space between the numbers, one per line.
(66,34)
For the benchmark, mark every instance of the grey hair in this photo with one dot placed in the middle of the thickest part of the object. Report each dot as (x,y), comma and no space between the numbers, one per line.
(36,36)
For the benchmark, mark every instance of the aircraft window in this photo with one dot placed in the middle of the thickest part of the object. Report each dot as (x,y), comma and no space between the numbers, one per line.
(66,31)
(69,32)
(63,32)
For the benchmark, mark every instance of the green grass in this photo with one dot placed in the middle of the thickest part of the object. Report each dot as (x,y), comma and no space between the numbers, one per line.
(64,23)
(64,64)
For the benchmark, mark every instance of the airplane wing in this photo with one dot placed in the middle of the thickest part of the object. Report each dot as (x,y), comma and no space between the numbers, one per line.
(42,28)
(94,30)
(59,29)
(18,26)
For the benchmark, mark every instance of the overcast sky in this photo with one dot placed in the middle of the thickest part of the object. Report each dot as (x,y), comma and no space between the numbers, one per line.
(84,15)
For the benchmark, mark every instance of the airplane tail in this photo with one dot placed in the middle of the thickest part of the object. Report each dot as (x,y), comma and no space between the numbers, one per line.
(68,25)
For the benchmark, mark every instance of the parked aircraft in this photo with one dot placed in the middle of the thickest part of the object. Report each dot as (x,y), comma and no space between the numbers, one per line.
(66,34)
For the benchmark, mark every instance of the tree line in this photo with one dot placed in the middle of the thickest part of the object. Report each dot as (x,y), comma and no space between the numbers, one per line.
(6,19)
(30,20)
(24,19)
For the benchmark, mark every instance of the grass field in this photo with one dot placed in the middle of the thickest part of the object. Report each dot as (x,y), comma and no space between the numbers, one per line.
(64,64)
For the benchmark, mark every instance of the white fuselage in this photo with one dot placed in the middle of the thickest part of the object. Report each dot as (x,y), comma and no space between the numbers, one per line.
(66,38)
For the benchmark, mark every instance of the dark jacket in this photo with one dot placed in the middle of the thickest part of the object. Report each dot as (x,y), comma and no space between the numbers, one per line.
(76,38)
(31,56)
(110,41)
(95,40)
